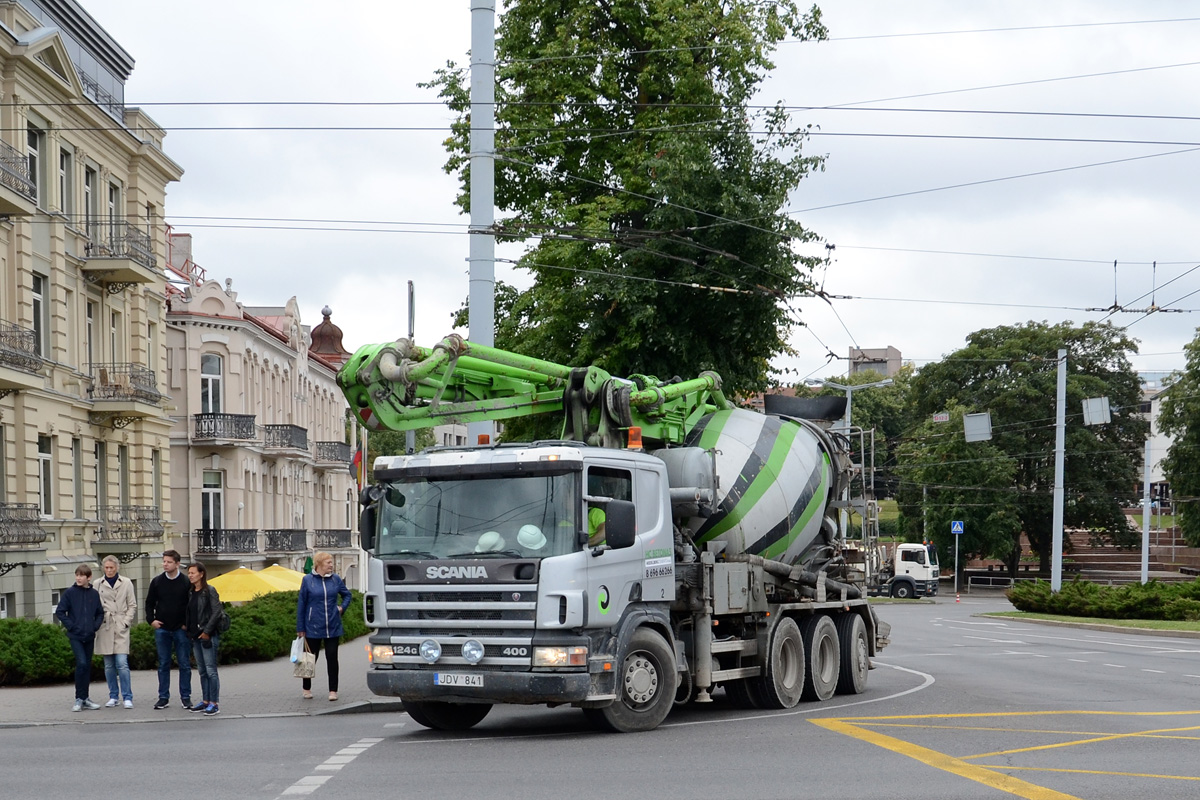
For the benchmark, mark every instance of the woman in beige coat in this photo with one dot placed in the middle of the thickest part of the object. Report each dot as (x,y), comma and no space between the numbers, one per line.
(112,640)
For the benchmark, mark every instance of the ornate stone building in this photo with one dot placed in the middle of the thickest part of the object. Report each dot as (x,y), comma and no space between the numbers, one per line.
(260,438)
(84,434)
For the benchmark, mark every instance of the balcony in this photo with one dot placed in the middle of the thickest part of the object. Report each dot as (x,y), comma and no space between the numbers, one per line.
(291,438)
(18,193)
(226,541)
(123,393)
(331,455)
(129,524)
(118,254)
(19,359)
(20,524)
(333,539)
(217,428)
(286,541)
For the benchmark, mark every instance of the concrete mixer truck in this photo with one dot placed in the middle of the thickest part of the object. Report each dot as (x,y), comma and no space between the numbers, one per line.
(665,546)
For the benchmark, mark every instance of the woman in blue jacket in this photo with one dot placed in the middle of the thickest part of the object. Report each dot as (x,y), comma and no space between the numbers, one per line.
(323,599)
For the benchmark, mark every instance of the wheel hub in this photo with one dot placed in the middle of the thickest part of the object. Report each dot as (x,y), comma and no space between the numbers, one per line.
(641,679)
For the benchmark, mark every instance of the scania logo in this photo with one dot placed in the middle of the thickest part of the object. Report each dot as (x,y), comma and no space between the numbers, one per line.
(435,573)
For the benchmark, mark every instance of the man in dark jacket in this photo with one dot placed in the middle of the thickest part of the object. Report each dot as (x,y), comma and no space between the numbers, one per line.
(81,614)
(166,606)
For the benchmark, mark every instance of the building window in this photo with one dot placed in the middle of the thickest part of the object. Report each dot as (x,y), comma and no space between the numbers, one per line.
(210,383)
(3,468)
(77,463)
(55,597)
(34,151)
(151,218)
(90,212)
(114,205)
(40,307)
(3,606)
(210,501)
(64,182)
(90,325)
(45,475)
(123,473)
(114,335)
(156,477)
(101,475)
(151,346)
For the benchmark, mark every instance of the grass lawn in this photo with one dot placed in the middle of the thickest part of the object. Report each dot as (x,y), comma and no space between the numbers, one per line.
(1151,624)
(1156,520)
(888,509)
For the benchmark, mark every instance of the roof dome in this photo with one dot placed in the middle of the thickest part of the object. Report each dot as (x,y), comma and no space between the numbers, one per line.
(327,340)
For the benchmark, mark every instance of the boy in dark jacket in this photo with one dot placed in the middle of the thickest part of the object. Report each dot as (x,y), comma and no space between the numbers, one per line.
(81,614)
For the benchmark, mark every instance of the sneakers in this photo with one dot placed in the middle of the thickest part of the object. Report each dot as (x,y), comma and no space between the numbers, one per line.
(129,704)
(90,706)
(200,707)
(112,703)
(212,710)
(78,706)
(187,704)
(163,702)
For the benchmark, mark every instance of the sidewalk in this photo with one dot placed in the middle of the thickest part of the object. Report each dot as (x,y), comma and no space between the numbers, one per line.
(247,690)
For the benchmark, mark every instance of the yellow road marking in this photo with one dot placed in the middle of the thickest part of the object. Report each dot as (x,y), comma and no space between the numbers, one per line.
(987,777)
(1078,742)
(1097,772)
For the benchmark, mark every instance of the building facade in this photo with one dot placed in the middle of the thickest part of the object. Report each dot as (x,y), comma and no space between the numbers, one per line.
(884,360)
(259,439)
(84,433)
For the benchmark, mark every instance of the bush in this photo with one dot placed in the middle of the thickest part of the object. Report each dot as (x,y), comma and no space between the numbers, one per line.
(32,651)
(1154,600)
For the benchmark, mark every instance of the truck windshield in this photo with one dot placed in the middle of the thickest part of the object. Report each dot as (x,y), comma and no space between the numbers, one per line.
(480,517)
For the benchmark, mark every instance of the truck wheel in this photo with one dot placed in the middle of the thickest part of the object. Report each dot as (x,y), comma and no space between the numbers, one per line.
(645,686)
(741,694)
(446,716)
(824,657)
(783,681)
(856,659)
(902,590)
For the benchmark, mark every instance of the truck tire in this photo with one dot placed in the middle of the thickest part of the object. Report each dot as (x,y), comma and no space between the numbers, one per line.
(903,590)
(856,655)
(446,716)
(782,682)
(824,657)
(741,694)
(646,686)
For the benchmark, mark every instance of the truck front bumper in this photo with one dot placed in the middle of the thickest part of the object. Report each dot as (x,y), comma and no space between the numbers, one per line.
(525,688)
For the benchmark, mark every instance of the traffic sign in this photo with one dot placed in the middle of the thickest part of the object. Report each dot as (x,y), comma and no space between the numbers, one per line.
(956,527)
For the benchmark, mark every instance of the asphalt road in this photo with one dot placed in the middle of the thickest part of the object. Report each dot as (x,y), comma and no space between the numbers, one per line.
(958,707)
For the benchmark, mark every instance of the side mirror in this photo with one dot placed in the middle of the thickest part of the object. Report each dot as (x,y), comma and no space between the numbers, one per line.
(620,524)
(367,522)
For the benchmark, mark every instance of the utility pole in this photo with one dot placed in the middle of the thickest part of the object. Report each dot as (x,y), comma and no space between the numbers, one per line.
(482,258)
(1060,437)
(410,437)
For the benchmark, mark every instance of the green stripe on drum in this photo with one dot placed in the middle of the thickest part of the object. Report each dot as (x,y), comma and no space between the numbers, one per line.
(708,430)
(773,447)
(815,504)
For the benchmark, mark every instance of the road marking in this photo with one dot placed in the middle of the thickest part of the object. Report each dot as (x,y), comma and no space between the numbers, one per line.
(1078,660)
(1191,676)
(1115,666)
(1098,772)
(933,758)
(310,783)
(995,641)
(1155,671)
(1090,740)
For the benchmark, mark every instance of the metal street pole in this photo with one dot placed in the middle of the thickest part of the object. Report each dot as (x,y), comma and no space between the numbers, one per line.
(1146,515)
(1060,435)
(481,297)
(410,437)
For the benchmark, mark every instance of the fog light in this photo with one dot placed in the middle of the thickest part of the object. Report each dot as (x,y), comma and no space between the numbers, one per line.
(560,656)
(431,651)
(381,654)
(472,651)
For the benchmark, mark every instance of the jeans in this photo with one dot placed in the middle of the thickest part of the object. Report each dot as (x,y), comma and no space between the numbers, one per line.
(116,669)
(331,658)
(83,664)
(206,663)
(177,641)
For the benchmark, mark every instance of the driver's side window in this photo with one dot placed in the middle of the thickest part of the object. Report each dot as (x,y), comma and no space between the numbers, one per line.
(603,484)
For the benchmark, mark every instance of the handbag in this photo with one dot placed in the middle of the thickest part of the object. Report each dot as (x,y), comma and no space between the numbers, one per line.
(306,667)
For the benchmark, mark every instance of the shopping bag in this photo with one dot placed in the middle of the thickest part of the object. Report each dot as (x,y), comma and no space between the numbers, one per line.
(297,649)
(306,667)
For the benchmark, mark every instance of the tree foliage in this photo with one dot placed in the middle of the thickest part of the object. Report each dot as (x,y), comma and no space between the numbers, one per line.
(1011,371)
(1179,418)
(629,153)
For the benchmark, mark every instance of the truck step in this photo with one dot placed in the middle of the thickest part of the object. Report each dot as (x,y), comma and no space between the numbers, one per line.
(745,646)
(732,674)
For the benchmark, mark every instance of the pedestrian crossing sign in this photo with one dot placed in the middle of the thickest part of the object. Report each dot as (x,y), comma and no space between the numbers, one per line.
(956,526)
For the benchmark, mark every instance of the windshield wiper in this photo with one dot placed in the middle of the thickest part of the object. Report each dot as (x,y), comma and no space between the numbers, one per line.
(510,553)
(416,553)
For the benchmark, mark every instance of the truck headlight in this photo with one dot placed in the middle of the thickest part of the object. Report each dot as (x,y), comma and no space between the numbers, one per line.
(381,654)
(575,656)
(472,651)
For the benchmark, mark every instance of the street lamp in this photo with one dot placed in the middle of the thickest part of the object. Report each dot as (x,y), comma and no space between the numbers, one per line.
(850,390)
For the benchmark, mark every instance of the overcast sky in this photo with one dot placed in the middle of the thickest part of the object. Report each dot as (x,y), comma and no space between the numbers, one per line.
(1085,83)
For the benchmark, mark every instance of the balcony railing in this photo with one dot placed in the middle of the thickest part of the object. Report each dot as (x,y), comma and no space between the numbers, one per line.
(18,347)
(109,237)
(19,524)
(332,539)
(220,541)
(14,172)
(129,524)
(332,451)
(102,98)
(240,427)
(125,382)
(290,437)
(286,541)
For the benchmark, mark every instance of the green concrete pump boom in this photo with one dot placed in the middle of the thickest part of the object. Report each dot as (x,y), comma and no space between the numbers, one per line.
(400,386)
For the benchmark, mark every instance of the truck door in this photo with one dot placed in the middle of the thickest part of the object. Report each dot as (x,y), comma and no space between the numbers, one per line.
(612,574)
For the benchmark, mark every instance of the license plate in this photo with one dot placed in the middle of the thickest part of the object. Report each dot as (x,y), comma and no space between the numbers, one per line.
(457,679)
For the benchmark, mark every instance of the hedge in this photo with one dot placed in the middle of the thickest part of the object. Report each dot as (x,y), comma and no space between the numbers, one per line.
(1153,600)
(35,652)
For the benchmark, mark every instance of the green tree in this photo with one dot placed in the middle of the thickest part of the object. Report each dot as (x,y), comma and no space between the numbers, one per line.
(1011,371)
(394,443)
(1177,418)
(629,151)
